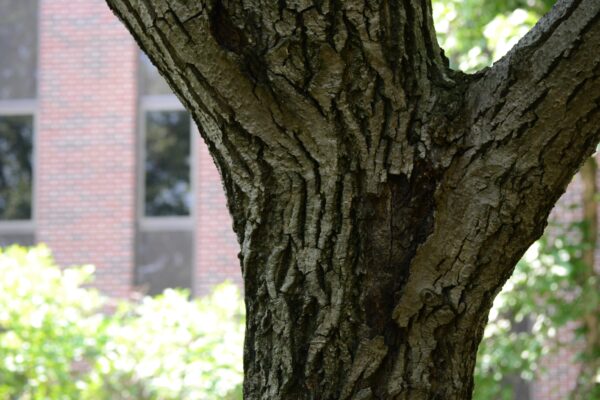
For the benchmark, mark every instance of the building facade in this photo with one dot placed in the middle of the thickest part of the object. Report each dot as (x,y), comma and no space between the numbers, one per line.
(99,160)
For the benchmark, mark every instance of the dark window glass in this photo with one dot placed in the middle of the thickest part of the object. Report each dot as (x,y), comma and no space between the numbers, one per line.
(167,164)
(16,143)
(23,239)
(164,260)
(152,83)
(18,48)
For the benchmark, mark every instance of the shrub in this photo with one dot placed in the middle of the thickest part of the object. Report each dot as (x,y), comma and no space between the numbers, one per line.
(171,348)
(56,344)
(49,326)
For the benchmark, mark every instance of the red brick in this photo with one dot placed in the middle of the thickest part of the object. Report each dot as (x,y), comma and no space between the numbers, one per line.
(85,172)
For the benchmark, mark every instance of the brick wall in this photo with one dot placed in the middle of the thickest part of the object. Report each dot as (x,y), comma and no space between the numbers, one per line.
(216,244)
(559,370)
(85,180)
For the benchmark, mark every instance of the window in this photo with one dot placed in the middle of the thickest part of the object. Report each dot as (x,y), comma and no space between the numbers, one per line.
(16,172)
(165,234)
(18,47)
(167,165)
(18,69)
(165,257)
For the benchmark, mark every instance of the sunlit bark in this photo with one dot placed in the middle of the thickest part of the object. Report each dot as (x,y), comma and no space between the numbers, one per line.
(380,199)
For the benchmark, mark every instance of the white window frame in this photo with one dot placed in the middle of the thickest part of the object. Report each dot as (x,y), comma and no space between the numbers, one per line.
(28,106)
(187,223)
(150,103)
(25,107)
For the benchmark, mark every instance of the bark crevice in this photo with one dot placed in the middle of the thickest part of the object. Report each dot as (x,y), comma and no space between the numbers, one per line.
(380,199)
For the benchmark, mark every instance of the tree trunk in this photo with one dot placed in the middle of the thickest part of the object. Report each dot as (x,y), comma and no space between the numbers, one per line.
(381,200)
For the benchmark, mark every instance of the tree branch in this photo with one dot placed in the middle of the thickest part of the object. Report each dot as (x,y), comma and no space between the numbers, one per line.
(545,93)
(534,116)
(527,124)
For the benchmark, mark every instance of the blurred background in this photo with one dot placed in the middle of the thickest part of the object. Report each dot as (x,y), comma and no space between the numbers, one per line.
(101,163)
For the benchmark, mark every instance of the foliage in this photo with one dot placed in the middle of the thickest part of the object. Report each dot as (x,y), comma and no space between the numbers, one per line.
(544,294)
(475,33)
(56,344)
(49,324)
(521,321)
(171,348)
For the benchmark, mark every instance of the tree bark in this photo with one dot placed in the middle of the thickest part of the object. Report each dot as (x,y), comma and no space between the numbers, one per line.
(381,199)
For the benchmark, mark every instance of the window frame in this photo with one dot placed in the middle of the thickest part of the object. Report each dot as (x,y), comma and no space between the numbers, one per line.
(24,107)
(19,102)
(143,223)
(148,103)
(27,106)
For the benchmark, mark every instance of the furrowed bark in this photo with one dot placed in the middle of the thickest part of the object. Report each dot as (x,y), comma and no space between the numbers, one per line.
(380,199)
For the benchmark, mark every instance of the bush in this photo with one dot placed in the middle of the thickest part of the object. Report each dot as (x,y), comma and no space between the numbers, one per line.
(171,348)
(49,325)
(56,344)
